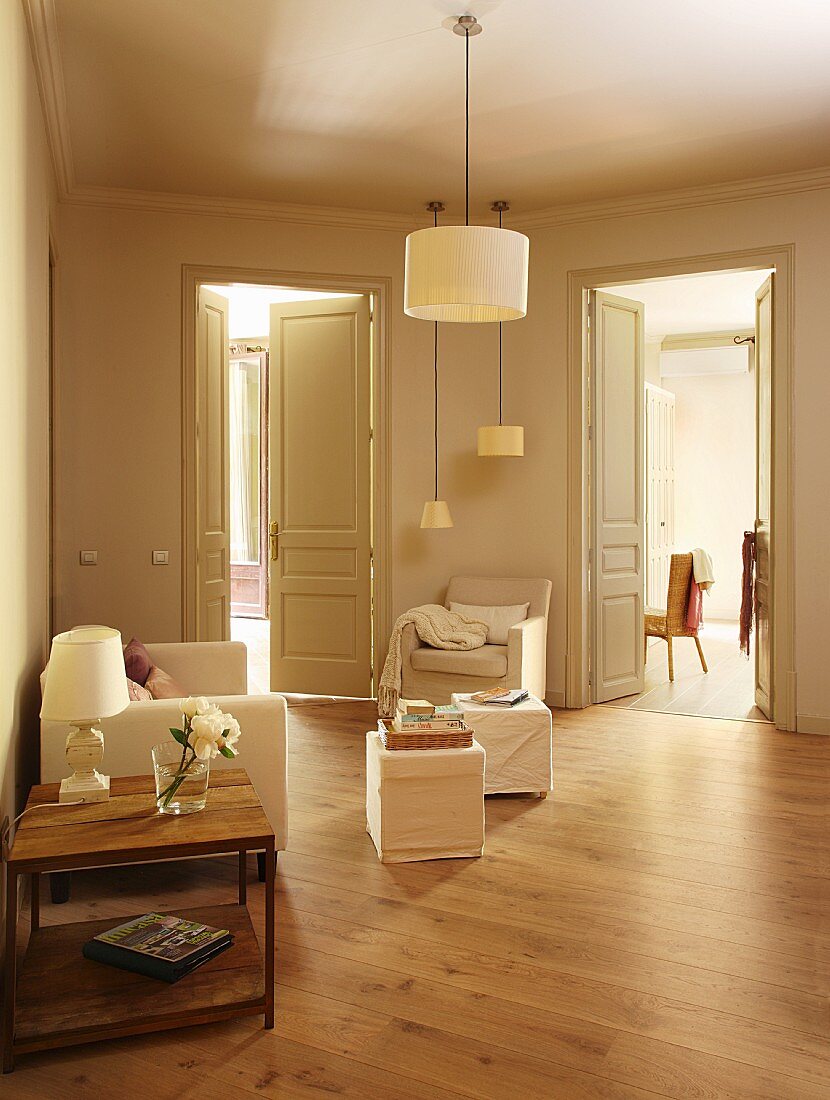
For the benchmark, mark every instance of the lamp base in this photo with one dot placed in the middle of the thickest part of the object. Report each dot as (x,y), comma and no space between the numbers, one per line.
(94,788)
(84,751)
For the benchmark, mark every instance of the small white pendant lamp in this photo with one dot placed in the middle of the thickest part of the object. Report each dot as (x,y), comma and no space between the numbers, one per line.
(466,273)
(436,512)
(501,440)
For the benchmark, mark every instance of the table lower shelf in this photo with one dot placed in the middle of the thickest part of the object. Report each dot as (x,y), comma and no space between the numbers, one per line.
(63,998)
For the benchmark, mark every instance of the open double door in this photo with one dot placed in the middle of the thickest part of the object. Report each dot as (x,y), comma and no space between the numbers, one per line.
(319,522)
(617,559)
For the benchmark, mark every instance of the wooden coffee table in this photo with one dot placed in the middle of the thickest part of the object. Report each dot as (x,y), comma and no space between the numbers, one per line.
(59,998)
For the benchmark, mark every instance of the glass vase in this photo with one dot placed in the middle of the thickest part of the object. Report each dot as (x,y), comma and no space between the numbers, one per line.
(179,789)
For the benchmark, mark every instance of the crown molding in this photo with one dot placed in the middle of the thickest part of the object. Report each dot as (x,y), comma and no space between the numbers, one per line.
(128,199)
(41,19)
(764,187)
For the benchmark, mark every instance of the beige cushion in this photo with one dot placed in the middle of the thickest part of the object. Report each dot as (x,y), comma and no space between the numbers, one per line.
(499,619)
(489,660)
(161,685)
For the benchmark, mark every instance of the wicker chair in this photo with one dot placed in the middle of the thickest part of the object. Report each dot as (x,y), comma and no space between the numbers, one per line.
(671,623)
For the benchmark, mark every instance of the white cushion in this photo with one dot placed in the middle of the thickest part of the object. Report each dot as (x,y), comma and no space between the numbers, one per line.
(498,619)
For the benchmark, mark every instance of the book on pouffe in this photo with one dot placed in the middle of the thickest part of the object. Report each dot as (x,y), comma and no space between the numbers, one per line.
(158,945)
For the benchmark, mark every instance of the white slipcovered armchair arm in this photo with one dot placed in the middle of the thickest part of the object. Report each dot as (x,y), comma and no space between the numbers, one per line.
(204,668)
(526,655)
(130,736)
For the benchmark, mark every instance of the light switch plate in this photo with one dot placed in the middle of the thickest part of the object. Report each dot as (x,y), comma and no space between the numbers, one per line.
(161,557)
(89,557)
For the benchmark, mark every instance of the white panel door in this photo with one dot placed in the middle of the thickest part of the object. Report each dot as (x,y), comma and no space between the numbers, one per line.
(617,484)
(213,527)
(320,486)
(659,429)
(763,491)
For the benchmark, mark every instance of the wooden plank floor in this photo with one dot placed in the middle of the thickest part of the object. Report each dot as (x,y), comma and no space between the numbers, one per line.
(727,690)
(656,927)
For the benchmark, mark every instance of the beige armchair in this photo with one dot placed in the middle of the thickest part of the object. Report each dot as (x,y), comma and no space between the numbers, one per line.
(434,674)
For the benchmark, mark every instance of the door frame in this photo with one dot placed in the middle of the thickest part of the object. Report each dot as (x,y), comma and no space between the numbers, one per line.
(380,289)
(580,282)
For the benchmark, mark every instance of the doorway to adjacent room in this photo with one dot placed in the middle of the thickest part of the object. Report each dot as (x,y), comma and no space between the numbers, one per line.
(284,477)
(682,378)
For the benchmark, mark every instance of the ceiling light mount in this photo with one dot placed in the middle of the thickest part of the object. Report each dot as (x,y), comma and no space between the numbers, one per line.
(467,26)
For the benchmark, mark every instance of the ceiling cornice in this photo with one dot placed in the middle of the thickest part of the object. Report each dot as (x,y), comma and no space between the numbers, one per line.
(815,179)
(42,21)
(335,217)
(41,17)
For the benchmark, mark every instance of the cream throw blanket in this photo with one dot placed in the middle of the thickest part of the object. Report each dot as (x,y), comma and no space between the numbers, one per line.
(438,627)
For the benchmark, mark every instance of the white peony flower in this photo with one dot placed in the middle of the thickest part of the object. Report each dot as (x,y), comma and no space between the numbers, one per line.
(203,705)
(189,707)
(204,748)
(232,730)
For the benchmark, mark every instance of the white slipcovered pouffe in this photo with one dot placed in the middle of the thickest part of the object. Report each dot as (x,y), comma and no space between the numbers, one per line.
(518,743)
(425,804)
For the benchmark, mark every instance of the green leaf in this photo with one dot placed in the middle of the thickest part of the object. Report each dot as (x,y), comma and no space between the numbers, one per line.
(228,752)
(178,735)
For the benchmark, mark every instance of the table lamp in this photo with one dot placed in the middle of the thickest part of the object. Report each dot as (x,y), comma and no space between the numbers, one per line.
(85,682)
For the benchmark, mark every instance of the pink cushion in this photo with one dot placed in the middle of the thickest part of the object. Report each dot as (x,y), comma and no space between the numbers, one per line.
(137,693)
(161,685)
(137,661)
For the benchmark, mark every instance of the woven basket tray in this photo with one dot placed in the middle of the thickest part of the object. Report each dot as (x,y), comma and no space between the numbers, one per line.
(427,739)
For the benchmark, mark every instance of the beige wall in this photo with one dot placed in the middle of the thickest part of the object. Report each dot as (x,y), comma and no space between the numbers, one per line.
(121,408)
(714,446)
(25,196)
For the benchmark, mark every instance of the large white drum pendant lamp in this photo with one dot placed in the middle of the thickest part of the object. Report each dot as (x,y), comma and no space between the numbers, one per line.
(501,440)
(467,273)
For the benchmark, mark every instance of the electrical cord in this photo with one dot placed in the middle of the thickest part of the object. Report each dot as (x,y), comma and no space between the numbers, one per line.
(38,806)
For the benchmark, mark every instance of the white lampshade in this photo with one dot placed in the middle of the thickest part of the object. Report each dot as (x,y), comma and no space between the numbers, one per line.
(436,514)
(466,273)
(85,677)
(501,440)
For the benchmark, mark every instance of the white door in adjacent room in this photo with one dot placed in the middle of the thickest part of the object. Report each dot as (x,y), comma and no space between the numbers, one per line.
(617,491)
(659,429)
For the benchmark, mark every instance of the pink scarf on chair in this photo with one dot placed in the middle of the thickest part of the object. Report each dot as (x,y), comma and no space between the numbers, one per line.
(694,608)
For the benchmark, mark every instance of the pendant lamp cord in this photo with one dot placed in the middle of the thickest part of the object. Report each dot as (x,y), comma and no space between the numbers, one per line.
(435,370)
(500,385)
(467,127)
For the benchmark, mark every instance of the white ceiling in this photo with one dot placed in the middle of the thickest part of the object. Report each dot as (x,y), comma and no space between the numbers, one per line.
(248,309)
(359,103)
(716,302)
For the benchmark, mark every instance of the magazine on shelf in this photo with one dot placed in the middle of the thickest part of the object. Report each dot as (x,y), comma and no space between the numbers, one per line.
(158,945)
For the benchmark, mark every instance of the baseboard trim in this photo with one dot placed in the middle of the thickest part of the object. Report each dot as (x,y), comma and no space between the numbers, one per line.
(555,699)
(812,723)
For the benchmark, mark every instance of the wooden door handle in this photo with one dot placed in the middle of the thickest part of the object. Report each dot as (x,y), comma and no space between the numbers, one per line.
(274,535)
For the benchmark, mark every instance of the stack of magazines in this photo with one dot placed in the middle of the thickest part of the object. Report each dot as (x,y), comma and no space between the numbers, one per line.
(419,724)
(500,697)
(159,946)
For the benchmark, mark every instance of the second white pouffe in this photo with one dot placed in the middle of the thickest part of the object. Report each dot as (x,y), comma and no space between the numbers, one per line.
(518,743)
(426,804)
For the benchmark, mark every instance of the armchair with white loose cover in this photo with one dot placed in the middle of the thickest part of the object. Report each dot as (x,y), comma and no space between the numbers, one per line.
(434,674)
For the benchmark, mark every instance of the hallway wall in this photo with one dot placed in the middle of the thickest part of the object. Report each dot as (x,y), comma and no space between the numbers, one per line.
(122,414)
